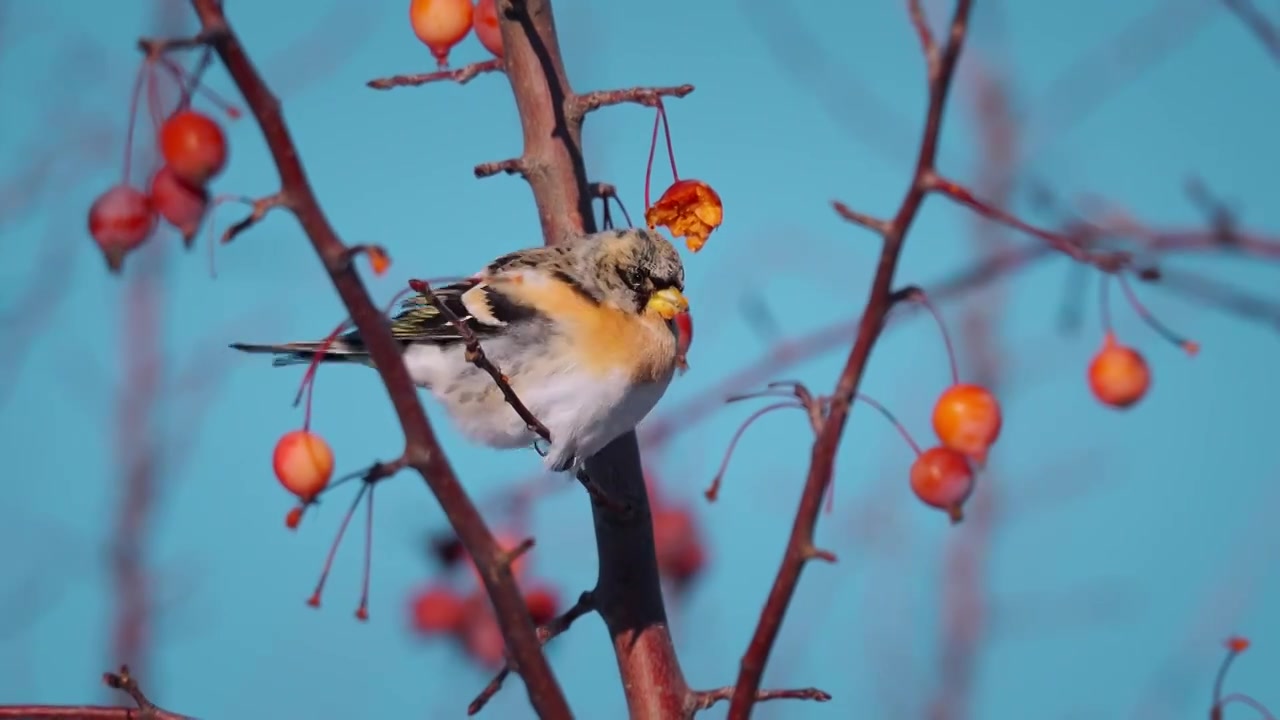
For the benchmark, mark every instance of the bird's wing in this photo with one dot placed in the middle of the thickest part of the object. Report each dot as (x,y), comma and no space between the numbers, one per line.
(483,308)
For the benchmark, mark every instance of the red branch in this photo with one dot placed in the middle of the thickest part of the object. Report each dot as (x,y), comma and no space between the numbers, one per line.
(422,449)
(941,65)
(122,681)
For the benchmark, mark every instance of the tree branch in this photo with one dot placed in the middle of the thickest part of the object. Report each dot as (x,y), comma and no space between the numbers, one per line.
(880,301)
(122,681)
(461,76)
(422,449)
(628,592)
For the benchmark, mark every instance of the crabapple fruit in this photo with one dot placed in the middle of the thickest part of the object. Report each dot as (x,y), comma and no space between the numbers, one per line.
(303,462)
(1118,375)
(121,219)
(181,204)
(440,24)
(967,419)
(436,610)
(484,20)
(941,477)
(193,146)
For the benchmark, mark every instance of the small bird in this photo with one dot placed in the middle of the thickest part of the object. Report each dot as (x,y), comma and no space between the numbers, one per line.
(583,331)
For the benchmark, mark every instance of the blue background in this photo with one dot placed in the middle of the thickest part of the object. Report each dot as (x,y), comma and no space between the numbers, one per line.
(1124,546)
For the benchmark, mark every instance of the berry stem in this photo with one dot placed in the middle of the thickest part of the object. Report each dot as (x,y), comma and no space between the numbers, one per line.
(713,491)
(1188,346)
(653,148)
(191,84)
(1232,654)
(133,119)
(666,130)
(308,384)
(1104,304)
(923,298)
(902,430)
(661,117)
(362,612)
(314,600)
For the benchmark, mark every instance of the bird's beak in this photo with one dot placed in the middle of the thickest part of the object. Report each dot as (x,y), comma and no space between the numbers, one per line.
(668,303)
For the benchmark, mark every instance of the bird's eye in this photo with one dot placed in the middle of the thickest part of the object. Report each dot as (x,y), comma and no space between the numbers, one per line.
(635,278)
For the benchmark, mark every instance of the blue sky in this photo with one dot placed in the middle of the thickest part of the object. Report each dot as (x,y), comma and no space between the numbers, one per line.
(1127,545)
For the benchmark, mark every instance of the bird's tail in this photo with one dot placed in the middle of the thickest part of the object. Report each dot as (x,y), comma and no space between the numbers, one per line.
(296,353)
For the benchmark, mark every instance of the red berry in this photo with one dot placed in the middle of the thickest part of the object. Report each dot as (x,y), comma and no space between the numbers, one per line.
(120,220)
(484,21)
(181,204)
(967,419)
(303,463)
(941,477)
(543,604)
(483,641)
(440,24)
(436,610)
(194,146)
(679,548)
(684,337)
(1118,375)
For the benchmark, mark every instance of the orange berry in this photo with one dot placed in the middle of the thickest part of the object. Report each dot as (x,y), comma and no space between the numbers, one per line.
(1118,375)
(967,419)
(440,24)
(120,220)
(436,610)
(485,22)
(941,477)
(194,146)
(543,604)
(1237,644)
(181,204)
(303,463)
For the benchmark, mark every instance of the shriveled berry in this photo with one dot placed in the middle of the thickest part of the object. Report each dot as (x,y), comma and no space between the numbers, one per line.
(120,219)
(942,478)
(193,146)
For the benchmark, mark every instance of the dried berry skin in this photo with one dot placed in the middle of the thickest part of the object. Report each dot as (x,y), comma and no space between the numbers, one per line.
(689,209)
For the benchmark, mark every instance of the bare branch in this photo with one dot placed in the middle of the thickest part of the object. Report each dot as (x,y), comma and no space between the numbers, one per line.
(421,446)
(580,105)
(879,302)
(122,681)
(703,699)
(260,208)
(1258,24)
(511,166)
(462,76)
(557,626)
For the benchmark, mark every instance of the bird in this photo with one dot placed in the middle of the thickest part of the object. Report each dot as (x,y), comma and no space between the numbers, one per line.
(583,331)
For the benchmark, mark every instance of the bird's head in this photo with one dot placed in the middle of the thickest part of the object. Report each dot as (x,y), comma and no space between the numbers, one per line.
(640,270)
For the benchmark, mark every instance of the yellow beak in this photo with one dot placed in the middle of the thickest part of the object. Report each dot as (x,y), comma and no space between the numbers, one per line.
(668,303)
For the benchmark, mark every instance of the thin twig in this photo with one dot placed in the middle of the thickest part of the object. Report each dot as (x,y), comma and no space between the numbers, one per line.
(879,303)
(124,682)
(580,105)
(703,699)
(421,446)
(476,356)
(462,76)
(1258,24)
(557,626)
